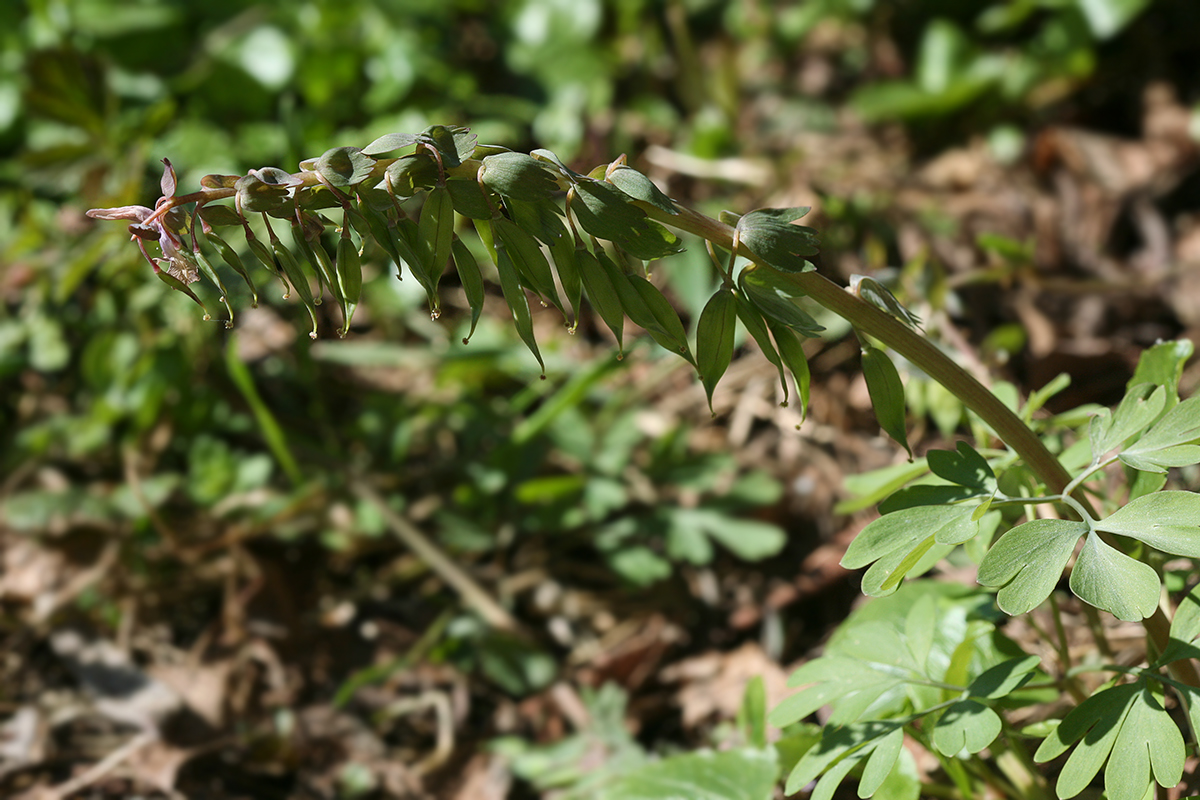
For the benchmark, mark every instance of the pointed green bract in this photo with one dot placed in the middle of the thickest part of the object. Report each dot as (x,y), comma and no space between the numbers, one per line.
(646,307)
(348,266)
(566,265)
(230,257)
(887,394)
(297,278)
(180,286)
(714,339)
(769,234)
(639,187)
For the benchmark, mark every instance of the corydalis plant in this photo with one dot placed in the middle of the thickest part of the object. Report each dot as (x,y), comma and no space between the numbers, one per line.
(1014,506)
(511,199)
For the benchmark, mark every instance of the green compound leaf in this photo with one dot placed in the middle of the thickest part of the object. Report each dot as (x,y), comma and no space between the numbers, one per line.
(769,234)
(1126,726)
(834,678)
(887,393)
(898,542)
(967,724)
(839,751)
(1141,406)
(774,296)
(639,187)
(964,467)
(1167,521)
(714,339)
(1185,627)
(1171,442)
(1004,678)
(742,774)
(1027,562)
(1109,579)
(900,529)
(1162,365)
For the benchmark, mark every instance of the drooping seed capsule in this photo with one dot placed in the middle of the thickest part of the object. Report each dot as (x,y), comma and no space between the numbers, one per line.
(349,274)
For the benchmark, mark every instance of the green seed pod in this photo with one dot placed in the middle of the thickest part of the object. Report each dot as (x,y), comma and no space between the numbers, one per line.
(295,274)
(602,294)
(206,268)
(887,393)
(263,254)
(435,232)
(714,339)
(565,264)
(752,318)
(472,281)
(527,257)
(514,295)
(791,352)
(230,257)
(180,286)
(349,277)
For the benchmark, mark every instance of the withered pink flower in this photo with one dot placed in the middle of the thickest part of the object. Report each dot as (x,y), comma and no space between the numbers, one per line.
(167,228)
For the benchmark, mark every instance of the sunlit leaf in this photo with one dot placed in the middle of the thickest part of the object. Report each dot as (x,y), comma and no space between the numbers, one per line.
(1168,521)
(1111,580)
(967,724)
(1027,562)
